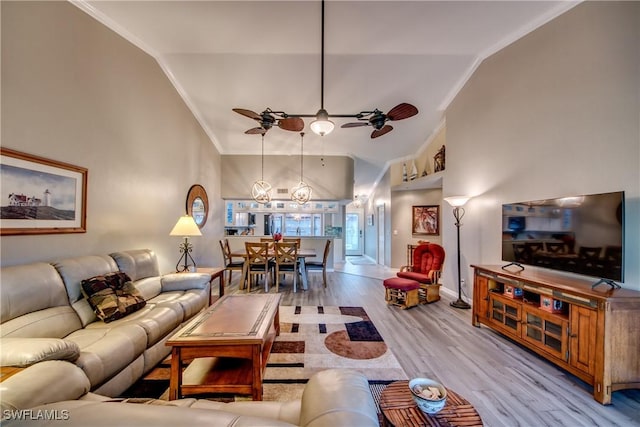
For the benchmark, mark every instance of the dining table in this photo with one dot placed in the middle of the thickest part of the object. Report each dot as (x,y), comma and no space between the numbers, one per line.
(303,253)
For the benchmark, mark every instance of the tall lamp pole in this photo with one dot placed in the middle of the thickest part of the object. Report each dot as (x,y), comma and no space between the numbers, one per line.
(458,212)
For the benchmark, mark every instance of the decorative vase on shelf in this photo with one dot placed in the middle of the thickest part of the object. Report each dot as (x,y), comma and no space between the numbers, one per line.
(404,172)
(414,172)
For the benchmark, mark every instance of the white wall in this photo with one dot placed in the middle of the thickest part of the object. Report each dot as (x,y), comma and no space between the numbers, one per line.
(74,91)
(555,114)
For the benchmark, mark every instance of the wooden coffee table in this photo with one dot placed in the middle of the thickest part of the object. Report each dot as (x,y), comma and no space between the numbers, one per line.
(399,409)
(228,346)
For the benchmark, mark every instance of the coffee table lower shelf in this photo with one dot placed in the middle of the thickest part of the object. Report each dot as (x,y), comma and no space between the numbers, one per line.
(233,373)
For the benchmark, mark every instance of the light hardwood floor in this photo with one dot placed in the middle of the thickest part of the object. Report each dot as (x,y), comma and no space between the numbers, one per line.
(509,385)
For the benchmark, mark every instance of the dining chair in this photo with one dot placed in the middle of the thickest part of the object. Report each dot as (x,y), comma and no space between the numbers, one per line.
(321,266)
(286,262)
(229,263)
(292,240)
(257,263)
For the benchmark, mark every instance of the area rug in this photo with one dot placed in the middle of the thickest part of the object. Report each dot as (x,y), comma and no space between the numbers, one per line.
(312,339)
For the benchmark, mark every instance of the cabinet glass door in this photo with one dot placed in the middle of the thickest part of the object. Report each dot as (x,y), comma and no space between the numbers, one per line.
(546,331)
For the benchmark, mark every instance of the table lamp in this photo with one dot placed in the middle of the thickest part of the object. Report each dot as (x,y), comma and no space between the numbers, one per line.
(185,227)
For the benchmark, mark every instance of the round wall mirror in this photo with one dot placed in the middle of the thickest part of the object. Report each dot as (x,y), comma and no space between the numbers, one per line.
(198,204)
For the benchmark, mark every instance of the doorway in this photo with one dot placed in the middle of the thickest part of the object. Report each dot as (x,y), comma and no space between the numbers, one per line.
(381,234)
(354,240)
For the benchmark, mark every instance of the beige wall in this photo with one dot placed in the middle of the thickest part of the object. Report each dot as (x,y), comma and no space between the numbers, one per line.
(402,217)
(555,114)
(333,181)
(74,91)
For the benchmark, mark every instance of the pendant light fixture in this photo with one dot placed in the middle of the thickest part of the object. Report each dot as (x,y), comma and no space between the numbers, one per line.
(301,193)
(261,190)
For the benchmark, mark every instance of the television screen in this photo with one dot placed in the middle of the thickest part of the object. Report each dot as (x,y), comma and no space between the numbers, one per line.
(580,234)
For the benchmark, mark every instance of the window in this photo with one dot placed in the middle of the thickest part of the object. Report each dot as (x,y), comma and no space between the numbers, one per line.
(298,224)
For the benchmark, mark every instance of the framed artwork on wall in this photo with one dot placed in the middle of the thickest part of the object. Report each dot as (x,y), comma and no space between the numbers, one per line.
(41,196)
(426,220)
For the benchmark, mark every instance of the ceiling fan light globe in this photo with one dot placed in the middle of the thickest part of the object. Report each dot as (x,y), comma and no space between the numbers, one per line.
(322,125)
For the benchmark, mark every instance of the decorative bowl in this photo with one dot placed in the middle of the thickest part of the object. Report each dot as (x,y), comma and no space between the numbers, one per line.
(429,395)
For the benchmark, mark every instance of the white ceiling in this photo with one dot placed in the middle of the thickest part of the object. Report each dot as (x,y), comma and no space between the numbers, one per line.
(258,54)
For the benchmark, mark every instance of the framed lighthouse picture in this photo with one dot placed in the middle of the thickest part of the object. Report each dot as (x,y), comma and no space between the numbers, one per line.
(41,196)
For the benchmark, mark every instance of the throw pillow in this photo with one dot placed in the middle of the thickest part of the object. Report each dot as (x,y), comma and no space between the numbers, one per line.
(112,296)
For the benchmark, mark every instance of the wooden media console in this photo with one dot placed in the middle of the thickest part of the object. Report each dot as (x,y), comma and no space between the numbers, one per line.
(592,333)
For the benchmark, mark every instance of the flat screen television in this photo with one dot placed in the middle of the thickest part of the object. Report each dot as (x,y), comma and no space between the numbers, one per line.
(578,234)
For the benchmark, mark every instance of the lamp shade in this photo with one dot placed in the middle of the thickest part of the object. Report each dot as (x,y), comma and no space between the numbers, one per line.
(186,226)
(457,201)
(322,125)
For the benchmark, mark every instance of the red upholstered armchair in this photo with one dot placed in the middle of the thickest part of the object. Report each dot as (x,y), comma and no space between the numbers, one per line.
(426,268)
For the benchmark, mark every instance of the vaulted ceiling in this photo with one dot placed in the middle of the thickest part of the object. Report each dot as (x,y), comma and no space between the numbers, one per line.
(266,54)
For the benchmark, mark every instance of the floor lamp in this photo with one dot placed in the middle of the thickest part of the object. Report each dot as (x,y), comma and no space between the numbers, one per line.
(185,227)
(458,212)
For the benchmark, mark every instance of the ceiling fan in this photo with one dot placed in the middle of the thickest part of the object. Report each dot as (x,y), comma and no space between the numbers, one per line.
(378,119)
(322,125)
(268,118)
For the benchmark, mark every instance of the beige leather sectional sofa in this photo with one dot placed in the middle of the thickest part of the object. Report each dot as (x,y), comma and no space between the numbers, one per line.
(74,363)
(334,397)
(45,316)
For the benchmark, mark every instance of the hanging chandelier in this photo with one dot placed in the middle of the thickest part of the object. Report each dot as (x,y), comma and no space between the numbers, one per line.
(261,190)
(301,193)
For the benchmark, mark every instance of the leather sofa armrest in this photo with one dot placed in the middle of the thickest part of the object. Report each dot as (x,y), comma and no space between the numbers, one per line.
(24,352)
(184,281)
(43,383)
(339,397)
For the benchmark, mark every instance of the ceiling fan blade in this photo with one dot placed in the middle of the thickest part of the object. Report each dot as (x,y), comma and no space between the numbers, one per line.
(402,111)
(294,124)
(386,129)
(256,131)
(248,113)
(354,124)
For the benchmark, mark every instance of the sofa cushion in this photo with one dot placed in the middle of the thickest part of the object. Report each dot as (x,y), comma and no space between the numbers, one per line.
(112,296)
(137,263)
(156,321)
(27,351)
(74,270)
(149,287)
(105,352)
(54,322)
(190,302)
(29,288)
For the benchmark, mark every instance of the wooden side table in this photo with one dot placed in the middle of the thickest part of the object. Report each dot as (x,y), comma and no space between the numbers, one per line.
(214,272)
(399,409)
